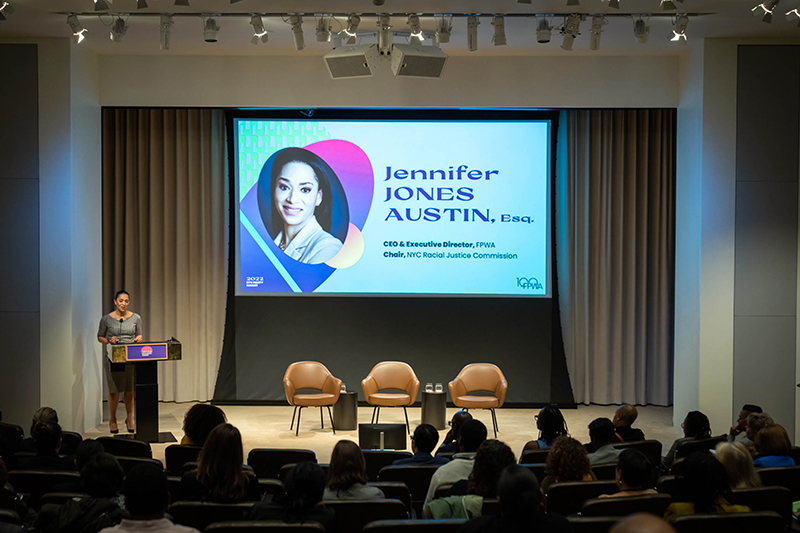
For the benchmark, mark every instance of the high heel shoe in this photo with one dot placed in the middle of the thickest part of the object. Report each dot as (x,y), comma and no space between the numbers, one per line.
(130,429)
(113,431)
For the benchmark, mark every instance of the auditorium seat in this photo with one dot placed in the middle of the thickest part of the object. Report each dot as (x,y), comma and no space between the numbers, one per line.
(794,453)
(416,478)
(606,471)
(265,526)
(665,484)
(390,375)
(271,488)
(777,499)
(7,498)
(39,482)
(200,514)
(120,446)
(441,490)
(446,455)
(567,498)
(650,448)
(177,455)
(782,476)
(9,517)
(533,457)
(128,463)
(537,470)
(284,471)
(267,462)
(760,522)
(60,498)
(490,506)
(310,375)
(479,377)
(70,441)
(698,445)
(353,515)
(174,487)
(592,524)
(649,503)
(414,526)
(394,490)
(377,459)
(13,434)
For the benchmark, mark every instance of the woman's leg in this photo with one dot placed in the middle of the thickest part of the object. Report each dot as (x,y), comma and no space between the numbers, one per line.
(129,399)
(113,402)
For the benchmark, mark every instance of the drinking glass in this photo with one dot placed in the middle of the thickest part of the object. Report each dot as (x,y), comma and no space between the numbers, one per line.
(429,387)
(439,387)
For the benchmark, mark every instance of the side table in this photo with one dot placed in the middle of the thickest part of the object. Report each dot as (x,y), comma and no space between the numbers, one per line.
(345,411)
(434,409)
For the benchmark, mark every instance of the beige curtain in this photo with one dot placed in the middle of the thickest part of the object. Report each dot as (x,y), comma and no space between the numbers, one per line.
(615,248)
(165,234)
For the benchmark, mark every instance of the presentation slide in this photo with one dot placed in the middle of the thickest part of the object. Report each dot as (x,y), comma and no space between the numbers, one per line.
(392,207)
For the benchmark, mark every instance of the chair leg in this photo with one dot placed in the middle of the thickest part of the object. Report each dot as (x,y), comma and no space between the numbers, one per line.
(294,413)
(408,427)
(321,421)
(331,417)
(494,422)
(300,412)
(372,420)
(378,415)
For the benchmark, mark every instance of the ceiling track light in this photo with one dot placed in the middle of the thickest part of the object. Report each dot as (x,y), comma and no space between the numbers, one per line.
(472,33)
(5,9)
(182,3)
(210,29)
(641,30)
(570,30)
(78,31)
(165,28)
(384,35)
(679,31)
(259,32)
(573,2)
(102,5)
(666,5)
(323,29)
(141,4)
(543,31)
(765,10)
(499,24)
(794,14)
(416,31)
(444,25)
(353,21)
(598,21)
(523,1)
(119,28)
(296,21)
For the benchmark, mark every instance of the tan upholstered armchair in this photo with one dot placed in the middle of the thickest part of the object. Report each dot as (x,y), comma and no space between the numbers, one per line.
(304,375)
(390,375)
(479,377)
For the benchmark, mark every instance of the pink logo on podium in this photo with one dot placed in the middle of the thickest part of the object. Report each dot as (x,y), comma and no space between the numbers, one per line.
(147,351)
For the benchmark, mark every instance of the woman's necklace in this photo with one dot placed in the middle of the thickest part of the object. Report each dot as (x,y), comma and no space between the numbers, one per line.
(283,243)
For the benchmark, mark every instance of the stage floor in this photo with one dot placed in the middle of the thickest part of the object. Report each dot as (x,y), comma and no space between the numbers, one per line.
(268,427)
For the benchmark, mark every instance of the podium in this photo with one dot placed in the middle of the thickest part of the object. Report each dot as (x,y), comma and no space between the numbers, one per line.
(145,356)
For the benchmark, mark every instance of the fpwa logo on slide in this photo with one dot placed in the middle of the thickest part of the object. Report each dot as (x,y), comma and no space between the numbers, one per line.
(529,283)
(147,351)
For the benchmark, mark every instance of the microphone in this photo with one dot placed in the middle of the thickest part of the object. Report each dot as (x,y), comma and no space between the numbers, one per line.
(120,329)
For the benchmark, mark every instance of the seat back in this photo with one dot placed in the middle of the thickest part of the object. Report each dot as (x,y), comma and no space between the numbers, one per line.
(13,434)
(394,490)
(60,498)
(761,521)
(666,484)
(177,455)
(606,471)
(782,476)
(69,442)
(123,447)
(567,498)
(490,506)
(377,459)
(442,490)
(416,478)
(650,448)
(128,463)
(777,499)
(264,526)
(284,471)
(353,515)
(391,375)
(537,470)
(650,503)
(39,482)
(483,377)
(267,462)
(533,457)
(200,514)
(414,526)
(7,499)
(592,524)
(309,375)
(697,445)
(272,488)
(10,517)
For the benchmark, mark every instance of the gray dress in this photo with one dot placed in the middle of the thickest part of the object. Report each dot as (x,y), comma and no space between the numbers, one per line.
(120,376)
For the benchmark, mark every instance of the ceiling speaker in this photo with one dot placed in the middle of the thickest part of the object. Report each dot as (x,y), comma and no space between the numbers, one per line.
(351,61)
(418,61)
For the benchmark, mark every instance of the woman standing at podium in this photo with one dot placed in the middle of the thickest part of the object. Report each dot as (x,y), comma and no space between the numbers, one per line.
(120,326)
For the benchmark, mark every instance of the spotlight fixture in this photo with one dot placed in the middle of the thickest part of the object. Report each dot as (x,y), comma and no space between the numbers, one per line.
(416,31)
(323,29)
(141,4)
(543,31)
(353,21)
(499,24)
(384,35)
(235,1)
(794,14)
(378,2)
(182,3)
(598,21)
(472,33)
(258,30)
(78,31)
(119,28)
(444,26)
(297,32)
(679,32)
(573,2)
(570,30)
(613,3)
(5,9)
(210,30)
(166,27)
(641,30)
(523,1)
(765,9)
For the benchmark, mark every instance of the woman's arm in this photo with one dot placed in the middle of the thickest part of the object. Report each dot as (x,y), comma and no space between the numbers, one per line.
(102,334)
(138,329)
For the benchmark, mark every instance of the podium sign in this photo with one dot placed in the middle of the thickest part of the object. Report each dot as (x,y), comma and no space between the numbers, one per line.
(148,352)
(141,352)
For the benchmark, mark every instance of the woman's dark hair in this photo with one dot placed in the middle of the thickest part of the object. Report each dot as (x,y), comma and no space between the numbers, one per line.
(46,436)
(635,469)
(567,460)
(200,420)
(102,475)
(324,210)
(85,450)
(697,425)
(700,478)
(146,490)
(551,424)
(45,415)
(120,293)
(348,466)
(518,490)
(219,466)
(305,485)
(492,457)
(773,440)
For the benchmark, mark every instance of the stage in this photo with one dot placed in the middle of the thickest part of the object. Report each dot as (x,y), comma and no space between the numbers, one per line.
(268,426)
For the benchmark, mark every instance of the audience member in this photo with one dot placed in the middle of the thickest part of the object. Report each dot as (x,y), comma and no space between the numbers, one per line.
(423,441)
(701,486)
(634,475)
(603,437)
(624,418)
(305,485)
(450,441)
(347,475)
(520,497)
(755,423)
(199,421)
(567,461)
(43,415)
(695,426)
(470,437)
(773,447)
(738,433)
(47,438)
(146,491)
(87,449)
(26,515)
(642,523)
(102,476)
(551,424)
(738,463)
(219,476)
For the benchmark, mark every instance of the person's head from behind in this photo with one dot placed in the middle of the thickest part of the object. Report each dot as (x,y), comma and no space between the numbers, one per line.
(471,436)
(200,420)
(699,479)
(634,471)
(518,492)
(642,523)
(102,475)
(347,467)
(601,432)
(458,420)
(551,423)
(738,465)
(44,415)
(305,485)
(625,415)
(425,438)
(47,437)
(773,440)
(755,423)
(490,459)
(300,190)
(567,460)
(85,450)
(219,466)
(146,492)
(696,425)
(741,421)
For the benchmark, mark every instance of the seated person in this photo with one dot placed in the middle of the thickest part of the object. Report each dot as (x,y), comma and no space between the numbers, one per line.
(567,461)
(146,491)
(520,510)
(624,417)
(470,437)
(634,475)
(755,423)
(701,486)
(738,463)
(422,444)
(47,438)
(219,476)
(304,484)
(450,441)
(602,435)
(773,447)
(695,426)
(551,425)
(642,523)
(26,515)
(738,433)
(347,475)
(199,421)
(85,451)
(44,415)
